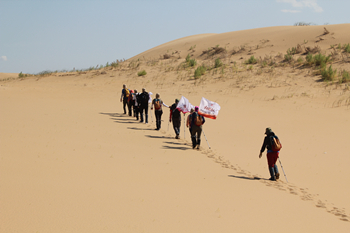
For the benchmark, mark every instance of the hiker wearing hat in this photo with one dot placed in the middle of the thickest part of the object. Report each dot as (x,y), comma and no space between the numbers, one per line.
(124,97)
(158,103)
(196,127)
(188,122)
(144,97)
(175,117)
(272,153)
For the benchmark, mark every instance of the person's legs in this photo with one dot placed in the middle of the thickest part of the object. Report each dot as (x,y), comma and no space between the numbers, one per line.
(271,160)
(199,132)
(176,125)
(146,114)
(141,113)
(125,101)
(193,136)
(129,108)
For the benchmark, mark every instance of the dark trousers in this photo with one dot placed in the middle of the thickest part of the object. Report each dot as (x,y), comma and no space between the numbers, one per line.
(129,108)
(176,125)
(158,114)
(144,109)
(125,103)
(136,112)
(196,132)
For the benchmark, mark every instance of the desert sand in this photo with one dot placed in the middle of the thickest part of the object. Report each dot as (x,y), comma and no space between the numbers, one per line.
(71,161)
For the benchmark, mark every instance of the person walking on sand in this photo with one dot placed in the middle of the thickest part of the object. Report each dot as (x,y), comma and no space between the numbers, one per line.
(272,155)
(144,97)
(158,103)
(136,104)
(196,128)
(124,97)
(188,122)
(175,117)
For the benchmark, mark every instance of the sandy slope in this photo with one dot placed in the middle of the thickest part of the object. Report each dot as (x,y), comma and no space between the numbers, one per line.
(71,162)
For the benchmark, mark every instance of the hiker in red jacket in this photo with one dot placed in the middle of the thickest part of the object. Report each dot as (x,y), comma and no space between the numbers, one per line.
(272,155)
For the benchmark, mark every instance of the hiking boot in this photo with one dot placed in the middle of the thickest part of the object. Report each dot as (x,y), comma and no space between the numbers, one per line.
(198,147)
(193,146)
(277,176)
(272,179)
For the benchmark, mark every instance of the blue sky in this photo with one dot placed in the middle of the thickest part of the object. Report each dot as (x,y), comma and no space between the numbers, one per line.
(38,35)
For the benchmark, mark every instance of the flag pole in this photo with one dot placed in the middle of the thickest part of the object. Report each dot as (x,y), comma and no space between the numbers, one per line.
(184,127)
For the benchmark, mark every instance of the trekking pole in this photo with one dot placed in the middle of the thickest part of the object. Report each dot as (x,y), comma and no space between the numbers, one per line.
(283,170)
(207,140)
(168,125)
(184,128)
(151,115)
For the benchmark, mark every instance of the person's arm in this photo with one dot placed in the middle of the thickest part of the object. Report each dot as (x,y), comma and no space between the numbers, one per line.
(171,113)
(188,121)
(165,105)
(263,147)
(121,97)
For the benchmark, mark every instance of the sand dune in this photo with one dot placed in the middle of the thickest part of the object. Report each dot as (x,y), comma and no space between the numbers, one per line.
(72,162)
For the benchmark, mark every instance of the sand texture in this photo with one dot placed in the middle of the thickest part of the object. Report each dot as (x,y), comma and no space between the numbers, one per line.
(71,161)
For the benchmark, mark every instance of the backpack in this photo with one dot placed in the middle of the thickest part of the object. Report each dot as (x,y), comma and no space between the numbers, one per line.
(127,93)
(198,120)
(157,104)
(275,144)
(144,98)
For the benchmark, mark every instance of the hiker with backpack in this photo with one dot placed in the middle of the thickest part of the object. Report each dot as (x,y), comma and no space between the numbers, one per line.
(144,97)
(175,117)
(124,97)
(131,102)
(188,122)
(196,127)
(273,145)
(157,103)
(135,104)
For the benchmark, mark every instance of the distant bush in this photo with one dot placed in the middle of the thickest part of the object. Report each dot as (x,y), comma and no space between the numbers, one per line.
(288,57)
(347,48)
(328,74)
(321,60)
(142,73)
(218,63)
(199,71)
(192,62)
(21,75)
(345,77)
(188,57)
(251,60)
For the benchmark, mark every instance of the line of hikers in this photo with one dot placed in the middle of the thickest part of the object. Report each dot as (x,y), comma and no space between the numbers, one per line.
(138,104)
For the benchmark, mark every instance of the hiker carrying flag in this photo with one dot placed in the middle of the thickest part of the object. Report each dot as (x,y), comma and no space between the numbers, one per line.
(196,127)
(175,117)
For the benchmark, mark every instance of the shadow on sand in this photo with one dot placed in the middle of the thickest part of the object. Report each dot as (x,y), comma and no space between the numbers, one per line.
(246,178)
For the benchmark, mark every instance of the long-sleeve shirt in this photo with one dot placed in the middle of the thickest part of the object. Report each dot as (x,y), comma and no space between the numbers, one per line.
(267,142)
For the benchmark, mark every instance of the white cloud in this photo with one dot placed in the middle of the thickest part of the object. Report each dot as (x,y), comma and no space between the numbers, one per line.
(290,11)
(304,3)
(4,58)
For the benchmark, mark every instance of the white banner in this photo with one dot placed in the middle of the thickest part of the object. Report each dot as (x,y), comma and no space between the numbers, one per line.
(184,105)
(209,108)
(150,97)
